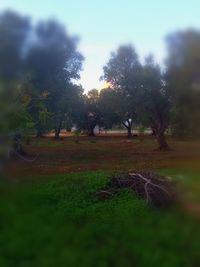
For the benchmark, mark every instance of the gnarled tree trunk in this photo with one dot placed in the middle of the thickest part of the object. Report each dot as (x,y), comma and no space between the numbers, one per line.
(159,126)
(91,130)
(58,129)
(162,144)
(128,125)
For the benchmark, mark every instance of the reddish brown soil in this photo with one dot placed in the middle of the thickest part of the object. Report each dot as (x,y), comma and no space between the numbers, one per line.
(101,153)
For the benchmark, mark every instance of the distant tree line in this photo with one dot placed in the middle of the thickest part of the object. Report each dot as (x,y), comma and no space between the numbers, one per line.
(40,66)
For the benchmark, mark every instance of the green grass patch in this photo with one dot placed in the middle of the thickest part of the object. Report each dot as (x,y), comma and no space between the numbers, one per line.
(59,222)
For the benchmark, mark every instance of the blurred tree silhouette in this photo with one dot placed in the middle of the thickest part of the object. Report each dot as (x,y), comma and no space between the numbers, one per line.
(141,93)
(14,34)
(93,115)
(183,77)
(109,107)
(54,62)
(123,73)
(155,101)
(38,67)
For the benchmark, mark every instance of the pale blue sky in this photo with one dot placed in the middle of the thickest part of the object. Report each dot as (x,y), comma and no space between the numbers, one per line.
(104,24)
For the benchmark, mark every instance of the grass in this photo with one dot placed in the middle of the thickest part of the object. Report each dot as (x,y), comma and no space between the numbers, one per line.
(58,221)
(49,215)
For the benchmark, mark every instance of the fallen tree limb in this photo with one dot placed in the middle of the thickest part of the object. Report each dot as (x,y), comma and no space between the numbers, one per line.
(155,189)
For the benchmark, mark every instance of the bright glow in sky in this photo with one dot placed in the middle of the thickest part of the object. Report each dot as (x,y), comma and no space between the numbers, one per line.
(103,25)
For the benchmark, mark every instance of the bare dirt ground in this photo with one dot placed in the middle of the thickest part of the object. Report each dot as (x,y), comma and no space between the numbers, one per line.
(102,153)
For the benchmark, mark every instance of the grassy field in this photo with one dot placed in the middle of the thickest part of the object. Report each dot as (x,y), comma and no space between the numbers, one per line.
(50,215)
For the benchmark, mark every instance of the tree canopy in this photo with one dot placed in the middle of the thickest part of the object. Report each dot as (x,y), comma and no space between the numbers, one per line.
(183,78)
(123,73)
(39,71)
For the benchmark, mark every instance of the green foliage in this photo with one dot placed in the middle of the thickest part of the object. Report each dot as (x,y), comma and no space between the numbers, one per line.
(37,89)
(14,30)
(54,62)
(109,107)
(60,222)
(89,113)
(183,64)
(155,97)
(13,105)
(142,95)
(123,73)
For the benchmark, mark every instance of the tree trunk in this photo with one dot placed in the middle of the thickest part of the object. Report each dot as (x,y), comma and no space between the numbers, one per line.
(128,126)
(57,134)
(39,134)
(91,131)
(162,144)
(58,129)
(17,145)
(153,131)
(129,133)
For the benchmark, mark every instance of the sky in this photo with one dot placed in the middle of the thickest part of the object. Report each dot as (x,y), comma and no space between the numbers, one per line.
(103,25)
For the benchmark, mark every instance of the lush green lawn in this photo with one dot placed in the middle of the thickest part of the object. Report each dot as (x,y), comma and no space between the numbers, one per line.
(59,222)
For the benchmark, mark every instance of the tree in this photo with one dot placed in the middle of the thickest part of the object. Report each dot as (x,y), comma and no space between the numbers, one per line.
(123,73)
(54,62)
(108,105)
(14,118)
(86,112)
(75,114)
(155,101)
(92,115)
(14,34)
(183,78)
